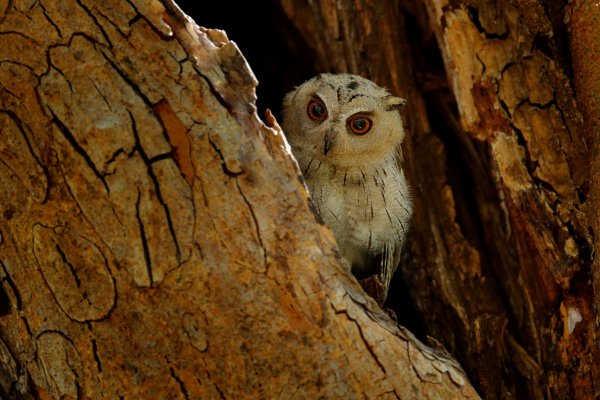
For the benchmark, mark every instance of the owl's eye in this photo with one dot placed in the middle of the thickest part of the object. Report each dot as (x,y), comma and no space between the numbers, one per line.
(316,110)
(360,124)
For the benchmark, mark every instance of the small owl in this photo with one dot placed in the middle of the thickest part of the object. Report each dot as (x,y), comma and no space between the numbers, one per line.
(345,132)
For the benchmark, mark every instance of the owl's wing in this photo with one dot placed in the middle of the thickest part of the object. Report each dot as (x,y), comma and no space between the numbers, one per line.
(377,286)
(389,262)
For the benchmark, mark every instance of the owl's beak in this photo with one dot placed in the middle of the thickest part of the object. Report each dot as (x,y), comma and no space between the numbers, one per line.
(329,139)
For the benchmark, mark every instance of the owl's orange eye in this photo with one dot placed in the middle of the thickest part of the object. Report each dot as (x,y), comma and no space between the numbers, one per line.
(316,110)
(360,124)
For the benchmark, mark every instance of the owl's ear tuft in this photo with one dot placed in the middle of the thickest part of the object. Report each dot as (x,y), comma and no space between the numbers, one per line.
(394,103)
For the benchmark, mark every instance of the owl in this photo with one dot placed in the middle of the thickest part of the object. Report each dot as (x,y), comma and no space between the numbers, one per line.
(345,132)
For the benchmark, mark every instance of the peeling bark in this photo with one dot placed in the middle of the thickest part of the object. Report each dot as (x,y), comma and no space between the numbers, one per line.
(155,238)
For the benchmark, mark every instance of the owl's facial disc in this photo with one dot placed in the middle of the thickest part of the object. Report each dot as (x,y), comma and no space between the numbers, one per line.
(358,124)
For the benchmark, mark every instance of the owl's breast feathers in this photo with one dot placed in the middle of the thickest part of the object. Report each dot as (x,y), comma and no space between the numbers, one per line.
(368,207)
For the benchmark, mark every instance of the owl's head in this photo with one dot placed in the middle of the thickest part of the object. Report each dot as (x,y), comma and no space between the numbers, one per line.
(343,118)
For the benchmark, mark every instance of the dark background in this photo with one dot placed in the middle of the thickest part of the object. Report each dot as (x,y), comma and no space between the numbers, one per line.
(274,50)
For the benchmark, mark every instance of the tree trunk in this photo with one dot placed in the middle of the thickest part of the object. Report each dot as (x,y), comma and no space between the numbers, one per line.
(500,263)
(156,240)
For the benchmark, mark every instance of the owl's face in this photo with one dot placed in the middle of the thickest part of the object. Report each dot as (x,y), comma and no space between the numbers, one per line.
(342,118)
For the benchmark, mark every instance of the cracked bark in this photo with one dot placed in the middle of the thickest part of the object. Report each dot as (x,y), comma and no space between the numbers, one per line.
(503,159)
(155,240)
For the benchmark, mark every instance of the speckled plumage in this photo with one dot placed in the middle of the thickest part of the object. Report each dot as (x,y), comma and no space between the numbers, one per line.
(356,180)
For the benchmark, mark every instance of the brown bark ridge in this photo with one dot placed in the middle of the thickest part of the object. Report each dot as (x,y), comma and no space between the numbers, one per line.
(500,250)
(156,240)
(583,21)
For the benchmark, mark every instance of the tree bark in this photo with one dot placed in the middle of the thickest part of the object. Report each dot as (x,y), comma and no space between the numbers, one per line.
(500,261)
(583,23)
(156,240)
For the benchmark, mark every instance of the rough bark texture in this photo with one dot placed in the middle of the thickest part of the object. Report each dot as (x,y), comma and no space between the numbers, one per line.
(500,262)
(156,240)
(583,20)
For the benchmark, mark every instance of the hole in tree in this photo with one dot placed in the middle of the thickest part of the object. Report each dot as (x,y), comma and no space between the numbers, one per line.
(275,51)
(280,59)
